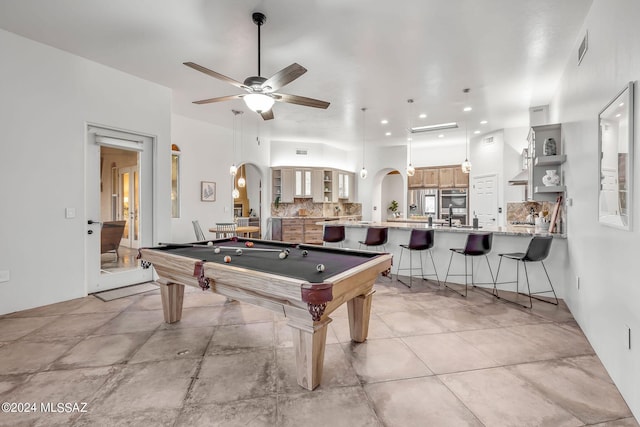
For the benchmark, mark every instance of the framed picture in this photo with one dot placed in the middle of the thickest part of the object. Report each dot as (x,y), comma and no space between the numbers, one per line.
(207,191)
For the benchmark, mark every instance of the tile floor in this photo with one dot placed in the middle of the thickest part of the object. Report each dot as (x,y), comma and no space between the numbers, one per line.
(432,358)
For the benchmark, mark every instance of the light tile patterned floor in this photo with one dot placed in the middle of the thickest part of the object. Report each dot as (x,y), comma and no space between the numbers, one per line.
(432,358)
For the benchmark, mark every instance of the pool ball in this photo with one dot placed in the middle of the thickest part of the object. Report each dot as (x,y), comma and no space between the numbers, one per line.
(287,251)
(282,255)
(248,244)
(227,259)
(209,243)
(216,250)
(238,251)
(320,268)
(305,252)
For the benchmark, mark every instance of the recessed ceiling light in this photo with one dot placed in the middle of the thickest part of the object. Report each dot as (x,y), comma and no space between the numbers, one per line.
(476,132)
(384,121)
(388,134)
(467,109)
(618,115)
(441,135)
(440,126)
(423,116)
(484,122)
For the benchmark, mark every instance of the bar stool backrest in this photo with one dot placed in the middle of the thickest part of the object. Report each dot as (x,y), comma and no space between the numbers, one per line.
(539,248)
(333,233)
(478,244)
(421,239)
(376,236)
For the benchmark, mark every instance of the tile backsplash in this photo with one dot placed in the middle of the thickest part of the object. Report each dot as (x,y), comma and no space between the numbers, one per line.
(518,211)
(315,209)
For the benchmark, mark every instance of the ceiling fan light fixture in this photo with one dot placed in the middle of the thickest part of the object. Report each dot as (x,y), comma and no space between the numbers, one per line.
(258,102)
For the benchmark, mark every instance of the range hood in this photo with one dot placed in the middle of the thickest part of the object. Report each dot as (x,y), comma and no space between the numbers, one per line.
(521,178)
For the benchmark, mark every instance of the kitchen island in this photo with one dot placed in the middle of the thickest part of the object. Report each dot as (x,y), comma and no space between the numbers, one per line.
(506,239)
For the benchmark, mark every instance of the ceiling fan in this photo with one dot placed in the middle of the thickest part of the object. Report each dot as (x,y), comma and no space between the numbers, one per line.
(261,92)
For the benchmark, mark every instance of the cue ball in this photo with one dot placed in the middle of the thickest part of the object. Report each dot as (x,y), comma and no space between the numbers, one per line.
(209,243)
(216,250)
(282,255)
(227,259)
(305,253)
(238,251)
(248,244)
(320,268)
(287,251)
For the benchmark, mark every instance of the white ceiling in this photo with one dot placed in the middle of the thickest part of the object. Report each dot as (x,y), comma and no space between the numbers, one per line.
(359,53)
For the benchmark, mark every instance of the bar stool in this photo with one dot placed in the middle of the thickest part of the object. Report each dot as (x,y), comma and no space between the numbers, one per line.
(537,251)
(376,238)
(478,244)
(333,234)
(420,240)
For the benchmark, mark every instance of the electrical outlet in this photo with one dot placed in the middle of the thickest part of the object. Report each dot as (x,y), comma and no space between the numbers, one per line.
(578,282)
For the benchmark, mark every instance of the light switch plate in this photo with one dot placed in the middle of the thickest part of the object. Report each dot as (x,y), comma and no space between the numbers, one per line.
(70,213)
(4,276)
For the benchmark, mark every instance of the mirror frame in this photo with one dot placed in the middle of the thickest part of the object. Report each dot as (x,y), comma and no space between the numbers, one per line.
(622,218)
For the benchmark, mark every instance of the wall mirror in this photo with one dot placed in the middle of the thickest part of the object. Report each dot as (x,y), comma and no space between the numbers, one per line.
(616,160)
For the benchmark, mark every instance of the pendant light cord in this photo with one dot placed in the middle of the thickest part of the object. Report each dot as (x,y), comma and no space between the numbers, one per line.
(363,134)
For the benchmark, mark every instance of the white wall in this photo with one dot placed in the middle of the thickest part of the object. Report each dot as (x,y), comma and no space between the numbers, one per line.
(283,153)
(605,259)
(393,188)
(47,97)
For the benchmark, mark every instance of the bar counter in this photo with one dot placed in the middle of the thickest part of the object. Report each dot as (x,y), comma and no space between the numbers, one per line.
(505,240)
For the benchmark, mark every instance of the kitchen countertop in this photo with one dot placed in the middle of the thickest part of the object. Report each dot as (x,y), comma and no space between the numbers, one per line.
(509,230)
(324,218)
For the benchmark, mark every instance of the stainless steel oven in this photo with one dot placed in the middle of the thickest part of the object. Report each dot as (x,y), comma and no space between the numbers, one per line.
(457,198)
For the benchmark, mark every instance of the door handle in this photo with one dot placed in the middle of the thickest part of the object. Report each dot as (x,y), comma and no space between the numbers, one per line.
(93,222)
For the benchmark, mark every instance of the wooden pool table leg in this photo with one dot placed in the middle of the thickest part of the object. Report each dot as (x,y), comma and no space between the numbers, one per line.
(309,343)
(359,309)
(172,297)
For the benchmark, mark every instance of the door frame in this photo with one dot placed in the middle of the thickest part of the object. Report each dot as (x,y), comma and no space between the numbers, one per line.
(122,139)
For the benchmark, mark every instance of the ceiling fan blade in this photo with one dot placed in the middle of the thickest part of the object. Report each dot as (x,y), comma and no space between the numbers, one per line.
(219,99)
(214,74)
(267,115)
(284,77)
(300,100)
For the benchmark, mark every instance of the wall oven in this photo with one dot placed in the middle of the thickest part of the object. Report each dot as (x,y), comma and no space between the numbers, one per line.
(458,200)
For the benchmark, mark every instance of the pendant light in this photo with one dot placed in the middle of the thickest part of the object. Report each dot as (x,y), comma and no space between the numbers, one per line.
(363,172)
(233,170)
(241,181)
(466,165)
(410,169)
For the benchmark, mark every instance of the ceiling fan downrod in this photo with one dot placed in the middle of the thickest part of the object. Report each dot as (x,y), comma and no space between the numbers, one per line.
(259,19)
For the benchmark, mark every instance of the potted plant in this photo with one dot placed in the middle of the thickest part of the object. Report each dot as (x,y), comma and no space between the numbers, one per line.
(393,207)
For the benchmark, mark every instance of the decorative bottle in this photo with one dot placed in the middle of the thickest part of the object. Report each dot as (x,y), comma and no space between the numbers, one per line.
(549,148)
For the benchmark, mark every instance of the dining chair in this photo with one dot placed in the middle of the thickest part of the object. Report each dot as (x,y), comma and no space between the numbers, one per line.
(199,234)
(225,229)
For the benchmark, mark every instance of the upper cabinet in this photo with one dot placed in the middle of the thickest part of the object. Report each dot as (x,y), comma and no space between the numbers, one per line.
(460,179)
(430,178)
(416,181)
(546,180)
(321,185)
(446,177)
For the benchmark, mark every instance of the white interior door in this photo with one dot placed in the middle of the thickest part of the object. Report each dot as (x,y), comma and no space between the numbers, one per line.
(99,207)
(485,203)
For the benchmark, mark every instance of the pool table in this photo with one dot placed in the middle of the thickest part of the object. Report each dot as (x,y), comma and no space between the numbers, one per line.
(293,284)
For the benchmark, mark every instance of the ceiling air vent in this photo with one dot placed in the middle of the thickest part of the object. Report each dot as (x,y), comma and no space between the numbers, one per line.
(582,49)
(488,140)
(301,152)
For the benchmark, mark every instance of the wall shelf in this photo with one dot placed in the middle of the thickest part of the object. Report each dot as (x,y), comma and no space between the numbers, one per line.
(550,160)
(550,189)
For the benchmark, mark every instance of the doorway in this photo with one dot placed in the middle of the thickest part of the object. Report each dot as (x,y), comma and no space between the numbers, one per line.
(119,192)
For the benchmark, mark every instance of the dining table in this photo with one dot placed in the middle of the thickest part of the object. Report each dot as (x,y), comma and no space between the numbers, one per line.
(243,230)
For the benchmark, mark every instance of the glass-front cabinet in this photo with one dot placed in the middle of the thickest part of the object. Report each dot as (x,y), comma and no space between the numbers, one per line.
(320,184)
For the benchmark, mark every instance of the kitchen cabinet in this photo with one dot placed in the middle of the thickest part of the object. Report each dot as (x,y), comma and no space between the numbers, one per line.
(460,179)
(446,177)
(317,185)
(430,178)
(539,164)
(282,188)
(302,183)
(416,181)
(312,231)
(292,230)
(345,185)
